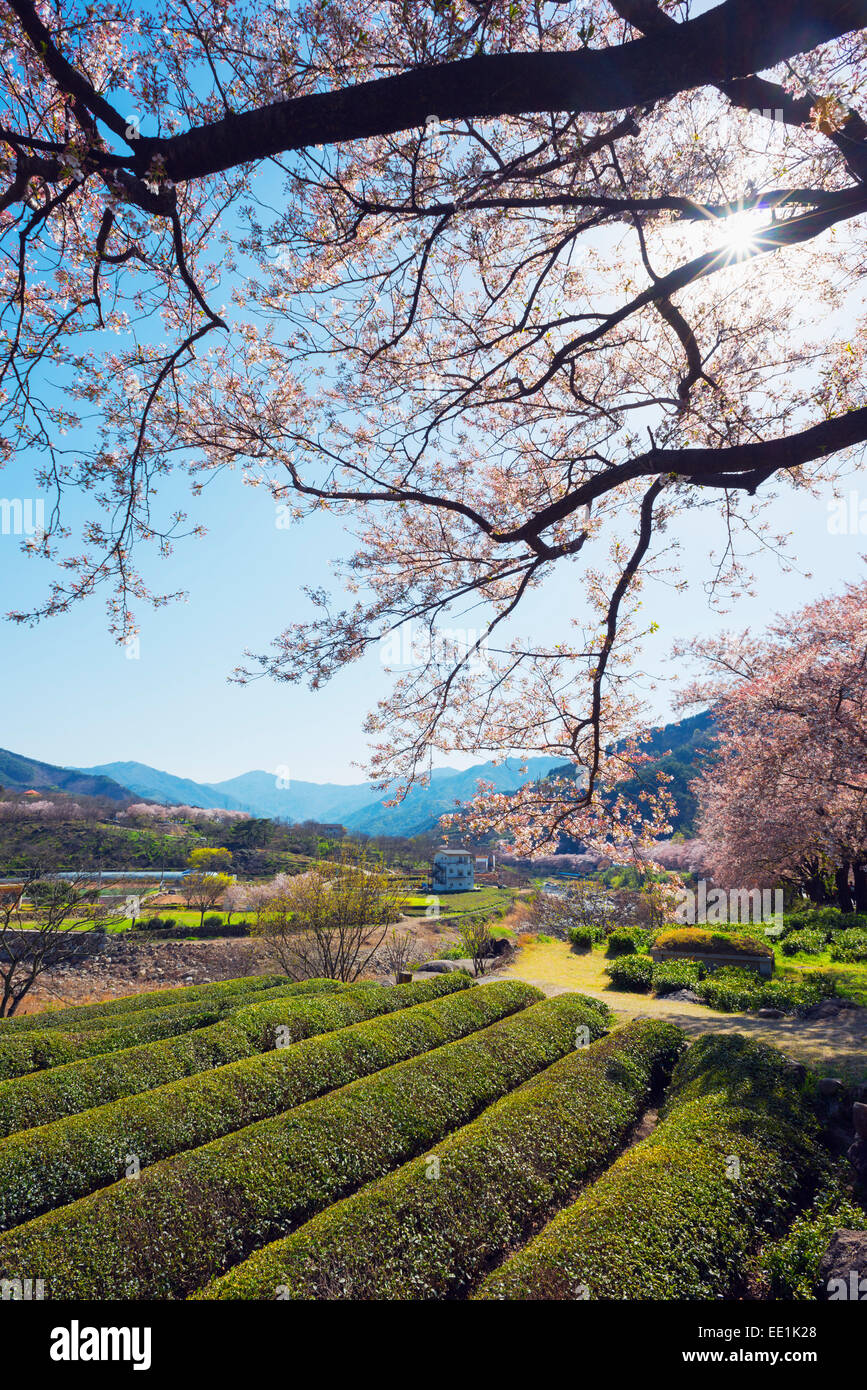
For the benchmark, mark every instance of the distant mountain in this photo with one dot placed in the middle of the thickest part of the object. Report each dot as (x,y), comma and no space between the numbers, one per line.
(356,805)
(18,774)
(689,743)
(154,785)
(679,750)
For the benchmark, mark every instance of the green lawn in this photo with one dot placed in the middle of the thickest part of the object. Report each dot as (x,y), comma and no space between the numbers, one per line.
(181,916)
(487,898)
(851,976)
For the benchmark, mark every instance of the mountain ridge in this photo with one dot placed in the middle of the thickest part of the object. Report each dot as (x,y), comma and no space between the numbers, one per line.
(357,806)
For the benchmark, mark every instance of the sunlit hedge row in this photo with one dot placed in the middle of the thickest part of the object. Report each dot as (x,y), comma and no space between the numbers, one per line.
(268,1023)
(188,1218)
(39,1099)
(431,1229)
(733,1159)
(45,1167)
(36,1051)
(78,1016)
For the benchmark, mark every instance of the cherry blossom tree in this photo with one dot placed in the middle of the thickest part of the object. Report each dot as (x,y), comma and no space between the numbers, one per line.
(505,285)
(786,796)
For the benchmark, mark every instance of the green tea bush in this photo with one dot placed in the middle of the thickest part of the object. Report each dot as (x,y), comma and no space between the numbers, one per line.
(736,1154)
(811,942)
(188,1218)
(631,972)
(850,945)
(584,937)
(671,975)
(733,990)
(34,1051)
(626,941)
(80,1016)
(44,1168)
(313,1006)
(409,1237)
(790,1264)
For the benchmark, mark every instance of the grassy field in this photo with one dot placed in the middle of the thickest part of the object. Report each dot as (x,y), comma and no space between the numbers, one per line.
(486,898)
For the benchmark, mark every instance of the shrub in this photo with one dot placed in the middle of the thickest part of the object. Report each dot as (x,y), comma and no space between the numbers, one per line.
(810,942)
(44,1096)
(497,1179)
(671,975)
(733,990)
(34,1051)
(710,943)
(188,1218)
(850,945)
(627,941)
(86,1015)
(582,937)
(272,1023)
(47,1167)
(631,972)
(790,1264)
(735,1155)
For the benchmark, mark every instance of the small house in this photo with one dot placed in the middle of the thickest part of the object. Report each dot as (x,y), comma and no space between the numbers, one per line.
(453,871)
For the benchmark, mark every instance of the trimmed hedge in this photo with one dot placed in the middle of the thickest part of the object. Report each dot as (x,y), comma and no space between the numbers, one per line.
(35,1051)
(80,1016)
(411,1237)
(45,1097)
(735,1156)
(43,1168)
(631,972)
(671,975)
(626,941)
(188,1218)
(584,937)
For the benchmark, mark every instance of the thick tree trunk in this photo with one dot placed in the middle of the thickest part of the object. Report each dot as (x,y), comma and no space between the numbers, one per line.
(859,872)
(845,897)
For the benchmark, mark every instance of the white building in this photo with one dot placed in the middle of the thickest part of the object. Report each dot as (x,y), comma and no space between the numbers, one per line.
(453,871)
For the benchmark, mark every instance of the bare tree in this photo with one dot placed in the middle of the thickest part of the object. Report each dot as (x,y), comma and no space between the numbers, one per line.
(236,899)
(399,952)
(332,920)
(477,942)
(43,921)
(584,904)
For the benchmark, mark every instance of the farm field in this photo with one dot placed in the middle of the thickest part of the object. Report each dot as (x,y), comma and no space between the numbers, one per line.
(432,1140)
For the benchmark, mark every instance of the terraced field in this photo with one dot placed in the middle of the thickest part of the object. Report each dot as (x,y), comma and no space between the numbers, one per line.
(265,1140)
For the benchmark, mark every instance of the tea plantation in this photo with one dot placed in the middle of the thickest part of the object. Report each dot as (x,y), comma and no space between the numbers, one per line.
(260,1139)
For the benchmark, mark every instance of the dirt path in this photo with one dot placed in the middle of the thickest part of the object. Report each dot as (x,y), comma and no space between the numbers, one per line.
(835,1047)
